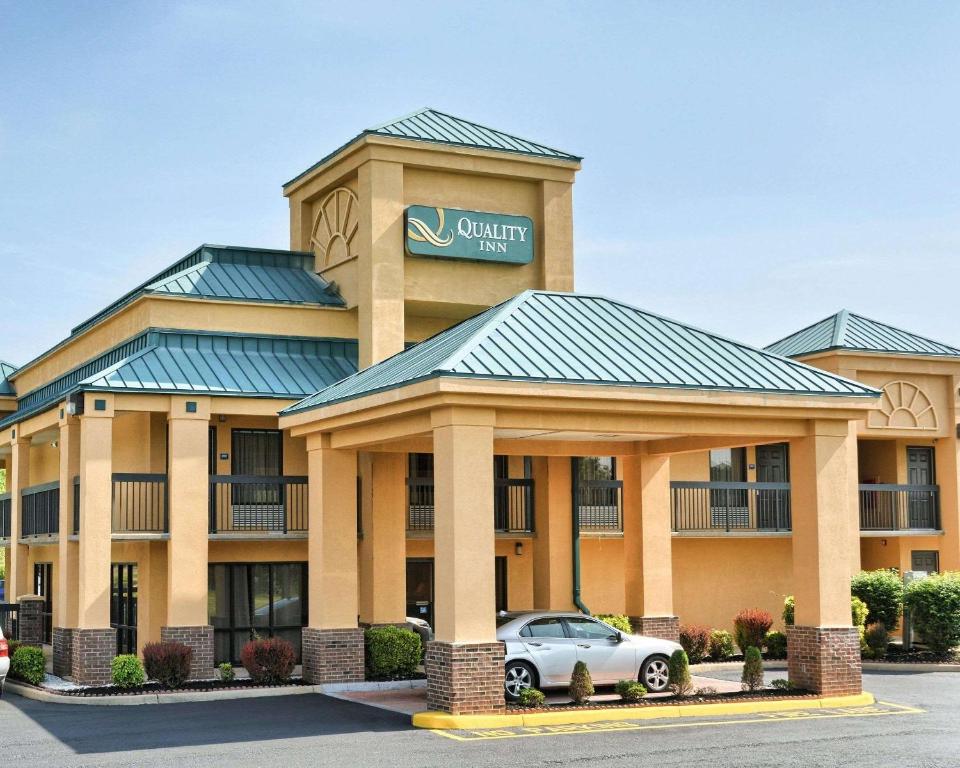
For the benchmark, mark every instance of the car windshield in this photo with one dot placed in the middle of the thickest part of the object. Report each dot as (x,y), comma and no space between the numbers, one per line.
(501,620)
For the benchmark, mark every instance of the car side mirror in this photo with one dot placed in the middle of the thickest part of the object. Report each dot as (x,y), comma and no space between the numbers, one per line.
(617,638)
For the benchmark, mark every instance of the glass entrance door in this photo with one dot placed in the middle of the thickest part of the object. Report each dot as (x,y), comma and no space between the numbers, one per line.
(43,586)
(123,605)
(420,588)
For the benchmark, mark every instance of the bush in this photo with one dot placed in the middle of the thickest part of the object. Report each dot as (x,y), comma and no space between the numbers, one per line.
(882,591)
(630,690)
(679,671)
(782,685)
(776,645)
(27,664)
(934,604)
(226,672)
(695,640)
(721,645)
(126,671)
(877,639)
(617,621)
(168,663)
(752,677)
(858,611)
(391,652)
(581,686)
(269,661)
(531,698)
(751,627)
(789,608)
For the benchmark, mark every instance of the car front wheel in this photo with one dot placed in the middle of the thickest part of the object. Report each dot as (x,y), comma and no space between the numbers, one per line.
(655,674)
(518,677)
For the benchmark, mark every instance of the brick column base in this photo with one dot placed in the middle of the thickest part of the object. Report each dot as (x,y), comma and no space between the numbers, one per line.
(200,641)
(332,655)
(93,650)
(62,651)
(465,679)
(825,660)
(664,627)
(30,620)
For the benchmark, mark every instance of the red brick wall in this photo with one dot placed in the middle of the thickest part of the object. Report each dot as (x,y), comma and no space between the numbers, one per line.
(62,651)
(664,627)
(93,650)
(465,679)
(332,655)
(197,639)
(825,659)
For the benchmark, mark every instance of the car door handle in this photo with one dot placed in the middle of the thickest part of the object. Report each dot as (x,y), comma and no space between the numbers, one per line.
(537,645)
(583,645)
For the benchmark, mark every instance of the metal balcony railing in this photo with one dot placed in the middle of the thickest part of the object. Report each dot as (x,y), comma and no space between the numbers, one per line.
(40,510)
(600,506)
(139,503)
(5,506)
(512,505)
(720,507)
(258,504)
(888,507)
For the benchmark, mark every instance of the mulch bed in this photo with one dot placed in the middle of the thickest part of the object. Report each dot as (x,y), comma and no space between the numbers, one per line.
(714,698)
(189,687)
(896,655)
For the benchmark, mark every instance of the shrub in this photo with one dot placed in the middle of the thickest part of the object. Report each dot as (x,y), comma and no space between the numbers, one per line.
(695,640)
(27,664)
(126,671)
(581,686)
(877,639)
(226,672)
(630,690)
(858,611)
(269,661)
(531,698)
(391,652)
(882,591)
(679,671)
(721,645)
(12,646)
(782,685)
(776,645)
(934,604)
(168,663)
(706,690)
(751,627)
(789,608)
(616,621)
(752,677)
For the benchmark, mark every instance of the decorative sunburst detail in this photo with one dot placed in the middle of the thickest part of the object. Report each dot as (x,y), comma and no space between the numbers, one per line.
(904,406)
(335,227)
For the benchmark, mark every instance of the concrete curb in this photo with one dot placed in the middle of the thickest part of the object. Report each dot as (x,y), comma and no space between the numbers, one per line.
(386,685)
(868,666)
(444,721)
(132,700)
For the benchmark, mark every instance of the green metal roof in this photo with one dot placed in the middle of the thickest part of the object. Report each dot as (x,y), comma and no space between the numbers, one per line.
(6,369)
(846,330)
(176,362)
(233,273)
(541,336)
(436,127)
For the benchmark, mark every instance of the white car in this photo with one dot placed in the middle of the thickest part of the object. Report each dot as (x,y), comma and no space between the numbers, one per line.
(4,660)
(543,647)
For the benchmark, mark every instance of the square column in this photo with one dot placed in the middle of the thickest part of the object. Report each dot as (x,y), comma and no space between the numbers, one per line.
(947,453)
(68,565)
(553,549)
(648,546)
(823,648)
(333,642)
(18,577)
(188,484)
(93,642)
(464,664)
(383,549)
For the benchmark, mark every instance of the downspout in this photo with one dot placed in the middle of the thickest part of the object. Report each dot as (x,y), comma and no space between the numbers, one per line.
(575,476)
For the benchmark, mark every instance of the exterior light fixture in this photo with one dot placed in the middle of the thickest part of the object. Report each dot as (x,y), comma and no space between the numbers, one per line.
(518,548)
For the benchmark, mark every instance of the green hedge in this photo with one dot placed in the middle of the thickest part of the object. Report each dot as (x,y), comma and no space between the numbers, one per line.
(391,652)
(934,604)
(28,665)
(126,671)
(882,591)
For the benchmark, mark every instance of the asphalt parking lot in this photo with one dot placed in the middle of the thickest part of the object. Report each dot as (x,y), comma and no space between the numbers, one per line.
(917,725)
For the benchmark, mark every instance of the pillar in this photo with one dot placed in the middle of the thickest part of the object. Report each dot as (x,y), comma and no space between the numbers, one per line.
(553,548)
(333,641)
(556,253)
(67,571)
(648,546)
(380,264)
(383,549)
(30,620)
(464,664)
(18,577)
(947,453)
(94,643)
(823,648)
(188,486)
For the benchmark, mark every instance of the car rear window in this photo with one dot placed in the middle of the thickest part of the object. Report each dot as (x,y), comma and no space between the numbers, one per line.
(546,627)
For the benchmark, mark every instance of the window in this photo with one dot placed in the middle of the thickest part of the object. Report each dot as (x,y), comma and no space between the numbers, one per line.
(263,599)
(587,629)
(728,465)
(123,605)
(548,627)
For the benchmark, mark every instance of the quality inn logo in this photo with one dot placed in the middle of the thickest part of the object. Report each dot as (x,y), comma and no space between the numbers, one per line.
(421,232)
(471,235)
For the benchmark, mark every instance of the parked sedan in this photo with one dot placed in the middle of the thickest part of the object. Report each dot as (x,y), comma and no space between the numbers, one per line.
(4,660)
(543,647)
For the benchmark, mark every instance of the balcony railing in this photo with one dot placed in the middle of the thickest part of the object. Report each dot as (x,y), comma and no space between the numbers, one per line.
(899,507)
(5,516)
(257,504)
(76,506)
(139,503)
(600,506)
(512,505)
(40,510)
(717,507)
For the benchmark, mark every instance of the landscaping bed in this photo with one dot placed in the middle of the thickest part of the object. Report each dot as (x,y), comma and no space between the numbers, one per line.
(193,686)
(663,701)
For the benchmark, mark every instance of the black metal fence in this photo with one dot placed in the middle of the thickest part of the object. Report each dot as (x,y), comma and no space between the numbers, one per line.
(512,504)
(725,507)
(599,505)
(5,506)
(76,506)
(420,504)
(139,503)
(254,503)
(8,620)
(40,510)
(886,507)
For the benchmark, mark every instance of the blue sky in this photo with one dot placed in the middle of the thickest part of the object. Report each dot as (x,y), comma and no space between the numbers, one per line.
(750,168)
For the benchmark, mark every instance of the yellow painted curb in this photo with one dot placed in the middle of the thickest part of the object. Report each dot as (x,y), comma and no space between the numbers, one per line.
(444,721)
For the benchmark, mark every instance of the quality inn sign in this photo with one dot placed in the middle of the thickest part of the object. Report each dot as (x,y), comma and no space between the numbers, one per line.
(449,233)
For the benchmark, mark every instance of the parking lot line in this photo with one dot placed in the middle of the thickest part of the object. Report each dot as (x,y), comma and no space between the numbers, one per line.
(880,709)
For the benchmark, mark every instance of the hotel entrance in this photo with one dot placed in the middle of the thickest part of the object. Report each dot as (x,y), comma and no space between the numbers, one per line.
(420,584)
